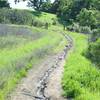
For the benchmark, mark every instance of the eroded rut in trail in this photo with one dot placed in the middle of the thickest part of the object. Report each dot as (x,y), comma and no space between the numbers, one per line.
(44,82)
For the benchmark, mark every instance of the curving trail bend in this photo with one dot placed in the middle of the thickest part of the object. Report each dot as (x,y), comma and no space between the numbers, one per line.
(43,82)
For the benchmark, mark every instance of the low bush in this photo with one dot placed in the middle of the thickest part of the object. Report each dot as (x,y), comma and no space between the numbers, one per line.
(15,16)
(95,35)
(54,21)
(85,30)
(38,23)
(75,27)
(93,52)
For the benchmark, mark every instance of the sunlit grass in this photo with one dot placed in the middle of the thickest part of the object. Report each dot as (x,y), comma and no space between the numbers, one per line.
(46,17)
(81,79)
(19,53)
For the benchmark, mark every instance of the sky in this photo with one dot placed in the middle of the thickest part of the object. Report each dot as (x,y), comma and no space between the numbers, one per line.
(20,5)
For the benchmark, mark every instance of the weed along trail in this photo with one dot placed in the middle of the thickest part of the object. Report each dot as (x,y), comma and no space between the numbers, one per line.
(44,83)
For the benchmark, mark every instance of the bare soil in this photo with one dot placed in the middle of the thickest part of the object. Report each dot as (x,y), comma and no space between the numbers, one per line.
(43,82)
(54,89)
(26,89)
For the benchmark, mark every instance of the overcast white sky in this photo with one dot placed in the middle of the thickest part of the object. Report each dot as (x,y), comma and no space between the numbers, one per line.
(20,5)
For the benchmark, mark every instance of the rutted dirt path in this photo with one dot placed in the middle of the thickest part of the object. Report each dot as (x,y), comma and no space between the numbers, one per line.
(54,89)
(43,82)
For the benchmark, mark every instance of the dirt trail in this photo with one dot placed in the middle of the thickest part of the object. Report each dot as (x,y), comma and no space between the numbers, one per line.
(54,89)
(43,82)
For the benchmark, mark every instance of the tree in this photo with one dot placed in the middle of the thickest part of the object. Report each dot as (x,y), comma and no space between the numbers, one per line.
(46,7)
(55,5)
(69,9)
(4,3)
(87,18)
(38,4)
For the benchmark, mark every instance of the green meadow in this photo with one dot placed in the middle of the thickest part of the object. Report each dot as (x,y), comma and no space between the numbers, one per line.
(21,51)
(81,79)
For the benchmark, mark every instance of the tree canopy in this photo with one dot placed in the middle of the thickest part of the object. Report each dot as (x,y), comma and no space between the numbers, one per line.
(4,3)
(40,4)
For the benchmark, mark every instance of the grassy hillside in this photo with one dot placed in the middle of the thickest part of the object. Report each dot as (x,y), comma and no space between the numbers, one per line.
(21,47)
(44,17)
(26,17)
(81,79)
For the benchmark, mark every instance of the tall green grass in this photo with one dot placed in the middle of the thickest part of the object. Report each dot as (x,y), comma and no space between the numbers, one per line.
(81,79)
(19,53)
(44,17)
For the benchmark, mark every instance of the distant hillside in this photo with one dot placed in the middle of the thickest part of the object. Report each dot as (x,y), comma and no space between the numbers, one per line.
(25,17)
